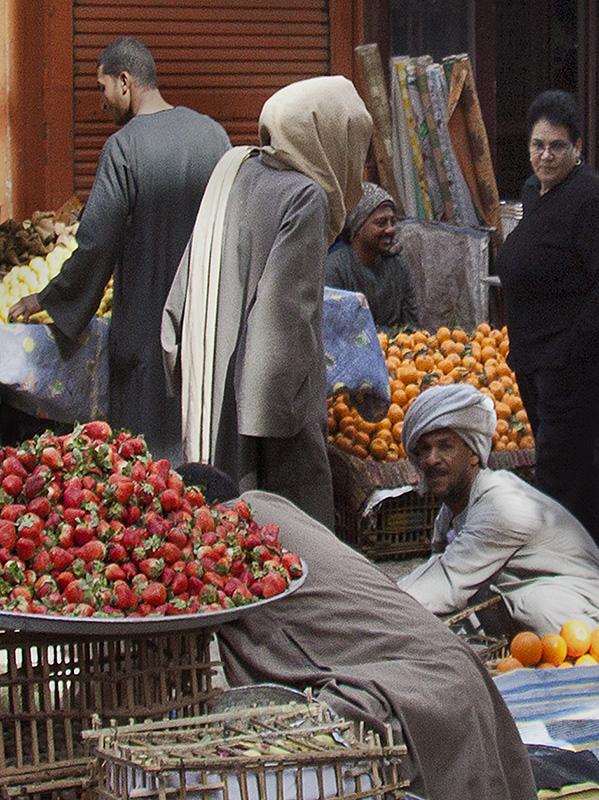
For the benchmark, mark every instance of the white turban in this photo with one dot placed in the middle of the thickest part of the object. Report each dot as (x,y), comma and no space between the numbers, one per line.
(459,407)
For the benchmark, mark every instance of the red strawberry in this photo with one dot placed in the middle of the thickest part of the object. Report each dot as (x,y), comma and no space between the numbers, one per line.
(40,506)
(51,457)
(194,585)
(157,482)
(116,552)
(33,485)
(93,550)
(156,526)
(73,592)
(194,497)
(169,552)
(138,471)
(178,536)
(42,562)
(72,497)
(12,511)
(114,573)
(154,594)
(8,534)
(170,500)
(98,429)
(83,533)
(133,514)
(161,467)
(63,580)
(122,488)
(66,535)
(175,481)
(25,548)
(125,596)
(61,558)
(152,567)
(31,525)
(12,466)
(131,538)
(130,570)
(243,510)
(293,564)
(28,459)
(12,484)
(179,583)
(241,595)
(214,578)
(274,583)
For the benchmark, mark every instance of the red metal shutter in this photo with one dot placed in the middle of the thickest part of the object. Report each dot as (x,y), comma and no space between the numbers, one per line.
(221,57)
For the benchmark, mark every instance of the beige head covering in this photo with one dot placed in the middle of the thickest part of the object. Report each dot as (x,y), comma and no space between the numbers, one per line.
(321,128)
(460,407)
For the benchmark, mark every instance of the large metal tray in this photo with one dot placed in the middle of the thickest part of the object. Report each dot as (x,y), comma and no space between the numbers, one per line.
(133,626)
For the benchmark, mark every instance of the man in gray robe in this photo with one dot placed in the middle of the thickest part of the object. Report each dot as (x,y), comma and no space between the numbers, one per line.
(371,263)
(373,654)
(140,213)
(253,371)
(493,529)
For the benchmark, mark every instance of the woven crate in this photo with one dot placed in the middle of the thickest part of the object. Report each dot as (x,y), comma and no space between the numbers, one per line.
(397,528)
(258,753)
(52,686)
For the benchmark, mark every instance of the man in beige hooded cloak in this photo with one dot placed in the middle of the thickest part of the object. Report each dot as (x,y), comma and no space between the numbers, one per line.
(252,355)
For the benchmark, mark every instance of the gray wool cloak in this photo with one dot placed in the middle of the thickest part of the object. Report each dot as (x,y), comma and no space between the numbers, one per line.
(373,653)
(269,382)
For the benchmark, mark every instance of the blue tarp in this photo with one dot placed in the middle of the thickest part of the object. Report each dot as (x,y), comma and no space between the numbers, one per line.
(45,375)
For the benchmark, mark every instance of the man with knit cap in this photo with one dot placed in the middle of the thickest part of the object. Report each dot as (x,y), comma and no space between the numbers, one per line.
(494,529)
(371,263)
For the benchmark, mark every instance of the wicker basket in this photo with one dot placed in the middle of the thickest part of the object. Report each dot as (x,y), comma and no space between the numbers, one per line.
(401,526)
(259,753)
(52,686)
(397,528)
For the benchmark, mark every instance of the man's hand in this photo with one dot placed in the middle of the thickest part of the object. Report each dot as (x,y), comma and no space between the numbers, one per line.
(24,308)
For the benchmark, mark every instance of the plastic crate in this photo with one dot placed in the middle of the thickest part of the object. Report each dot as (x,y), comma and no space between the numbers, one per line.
(274,752)
(398,527)
(52,687)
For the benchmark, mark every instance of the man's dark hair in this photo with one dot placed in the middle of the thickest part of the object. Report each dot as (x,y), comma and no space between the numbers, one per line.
(129,55)
(558,108)
(216,484)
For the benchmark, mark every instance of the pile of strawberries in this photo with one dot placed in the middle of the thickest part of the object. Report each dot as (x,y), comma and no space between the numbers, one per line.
(91,525)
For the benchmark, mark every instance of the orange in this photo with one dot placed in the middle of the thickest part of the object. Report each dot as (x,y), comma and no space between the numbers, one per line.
(412,391)
(424,361)
(487,353)
(527,648)
(397,428)
(343,443)
(503,426)
(555,649)
(407,372)
(527,442)
(395,413)
(359,451)
(340,410)
(458,335)
(594,646)
(577,636)
(378,449)
(443,334)
(497,389)
(484,328)
(393,350)
(503,410)
(362,439)
(509,663)
(400,397)
(585,660)
(545,665)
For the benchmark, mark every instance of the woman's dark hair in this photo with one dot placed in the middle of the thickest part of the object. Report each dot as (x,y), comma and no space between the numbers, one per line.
(129,55)
(558,108)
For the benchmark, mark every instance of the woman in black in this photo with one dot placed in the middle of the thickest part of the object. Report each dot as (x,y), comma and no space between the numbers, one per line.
(549,270)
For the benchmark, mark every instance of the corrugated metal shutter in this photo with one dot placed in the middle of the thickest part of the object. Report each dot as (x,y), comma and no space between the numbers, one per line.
(223,58)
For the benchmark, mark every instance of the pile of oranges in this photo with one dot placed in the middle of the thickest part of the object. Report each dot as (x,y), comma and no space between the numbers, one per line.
(574,646)
(418,360)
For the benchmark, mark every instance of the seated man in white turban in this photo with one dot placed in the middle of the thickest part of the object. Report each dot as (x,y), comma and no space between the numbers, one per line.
(493,528)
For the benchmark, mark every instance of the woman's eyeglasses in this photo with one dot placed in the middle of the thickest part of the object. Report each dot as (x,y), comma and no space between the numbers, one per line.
(556,148)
